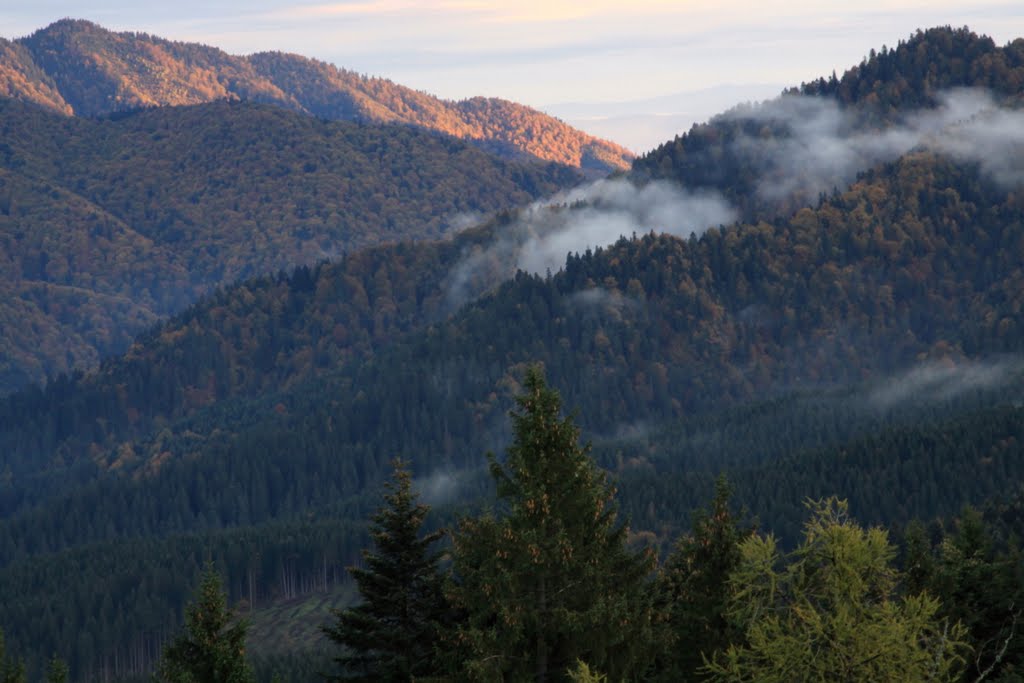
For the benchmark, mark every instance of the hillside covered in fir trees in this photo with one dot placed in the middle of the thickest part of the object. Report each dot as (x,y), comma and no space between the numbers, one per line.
(848,354)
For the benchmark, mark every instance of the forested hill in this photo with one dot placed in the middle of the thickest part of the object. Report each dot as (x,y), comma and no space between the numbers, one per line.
(652,328)
(284,398)
(826,119)
(77,67)
(109,225)
(867,344)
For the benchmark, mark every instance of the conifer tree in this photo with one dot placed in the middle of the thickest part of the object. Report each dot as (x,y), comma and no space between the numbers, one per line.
(832,612)
(211,649)
(392,635)
(56,671)
(981,587)
(11,670)
(694,585)
(549,581)
(918,562)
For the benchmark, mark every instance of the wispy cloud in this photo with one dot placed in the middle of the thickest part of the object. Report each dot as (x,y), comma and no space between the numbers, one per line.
(368,7)
(594,215)
(439,488)
(942,381)
(523,12)
(600,298)
(820,145)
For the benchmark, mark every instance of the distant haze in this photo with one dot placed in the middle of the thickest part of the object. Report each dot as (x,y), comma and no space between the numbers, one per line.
(642,125)
(554,51)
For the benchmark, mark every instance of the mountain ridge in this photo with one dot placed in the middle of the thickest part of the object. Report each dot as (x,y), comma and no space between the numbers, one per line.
(74,66)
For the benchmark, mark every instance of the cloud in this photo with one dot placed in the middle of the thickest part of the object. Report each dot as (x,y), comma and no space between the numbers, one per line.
(942,381)
(994,138)
(463,220)
(590,216)
(598,298)
(816,146)
(821,145)
(603,211)
(522,12)
(439,488)
(348,9)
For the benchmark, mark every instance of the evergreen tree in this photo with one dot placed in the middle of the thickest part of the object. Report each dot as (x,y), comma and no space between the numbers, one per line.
(392,635)
(550,581)
(695,586)
(56,671)
(981,587)
(584,674)
(832,614)
(918,563)
(11,670)
(212,647)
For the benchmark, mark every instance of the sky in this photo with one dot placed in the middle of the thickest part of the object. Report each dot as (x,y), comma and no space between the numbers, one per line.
(636,71)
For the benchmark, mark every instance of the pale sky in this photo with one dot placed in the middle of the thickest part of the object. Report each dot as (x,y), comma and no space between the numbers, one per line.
(547,53)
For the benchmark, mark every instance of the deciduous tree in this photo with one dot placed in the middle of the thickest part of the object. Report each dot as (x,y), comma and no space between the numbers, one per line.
(831,612)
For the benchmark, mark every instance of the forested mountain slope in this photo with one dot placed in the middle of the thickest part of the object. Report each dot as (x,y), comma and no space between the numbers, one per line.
(867,345)
(778,156)
(640,336)
(77,67)
(109,225)
(857,288)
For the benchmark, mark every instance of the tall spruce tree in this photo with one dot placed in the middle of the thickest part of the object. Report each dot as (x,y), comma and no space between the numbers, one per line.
(981,587)
(56,671)
(11,670)
(211,649)
(549,581)
(694,586)
(392,635)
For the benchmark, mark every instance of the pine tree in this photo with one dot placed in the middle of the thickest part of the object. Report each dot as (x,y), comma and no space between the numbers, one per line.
(56,671)
(981,587)
(918,560)
(392,634)
(694,584)
(550,581)
(212,647)
(11,670)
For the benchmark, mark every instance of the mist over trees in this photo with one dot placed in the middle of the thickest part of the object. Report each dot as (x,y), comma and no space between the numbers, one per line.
(849,357)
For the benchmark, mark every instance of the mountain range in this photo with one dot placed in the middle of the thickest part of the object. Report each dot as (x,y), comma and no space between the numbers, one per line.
(75,67)
(96,250)
(818,295)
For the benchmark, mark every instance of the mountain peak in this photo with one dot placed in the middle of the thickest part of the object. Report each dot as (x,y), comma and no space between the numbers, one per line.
(70,24)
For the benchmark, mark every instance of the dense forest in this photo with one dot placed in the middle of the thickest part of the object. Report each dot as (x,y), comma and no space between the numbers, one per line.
(108,226)
(735,151)
(548,583)
(76,67)
(861,351)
